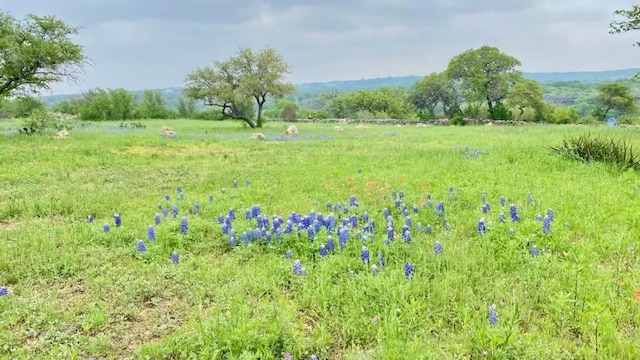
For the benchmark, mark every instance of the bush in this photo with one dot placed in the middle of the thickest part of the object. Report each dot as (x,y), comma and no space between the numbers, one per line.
(457,120)
(501,112)
(289,113)
(585,148)
(39,121)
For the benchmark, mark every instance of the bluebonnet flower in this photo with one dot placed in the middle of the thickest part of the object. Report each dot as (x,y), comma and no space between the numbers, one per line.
(247,183)
(353,201)
(481,226)
(310,234)
(407,237)
(287,356)
(247,214)
(415,209)
(156,219)
(175,258)
(232,213)
(538,217)
(196,208)
(550,214)
(167,197)
(255,211)
(502,201)
(174,211)
(514,213)
(180,196)
(151,233)
(407,221)
(165,212)
(385,213)
(437,248)
(4,291)
(374,269)
(397,203)
(329,206)
(235,184)
(245,238)
(141,246)
(354,221)
(183,225)
(364,255)
(323,250)
(451,194)
(493,314)
(390,234)
(408,270)
(446,225)
(501,217)
(546,224)
(343,237)
(534,250)
(440,209)
(179,189)
(267,237)
(428,196)
(105,228)
(330,245)
(381,262)
(223,190)
(298,269)
(483,196)
(232,238)
(486,207)
(288,254)
(429,229)
(345,209)
(90,219)
(210,197)
(117,220)
(419,228)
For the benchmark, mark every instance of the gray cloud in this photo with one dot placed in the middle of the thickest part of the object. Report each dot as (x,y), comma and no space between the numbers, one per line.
(143,43)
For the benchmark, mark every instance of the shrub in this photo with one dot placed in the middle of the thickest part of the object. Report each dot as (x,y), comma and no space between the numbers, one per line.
(585,148)
(289,113)
(457,120)
(39,121)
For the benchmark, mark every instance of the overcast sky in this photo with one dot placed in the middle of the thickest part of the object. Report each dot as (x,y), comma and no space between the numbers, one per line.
(139,44)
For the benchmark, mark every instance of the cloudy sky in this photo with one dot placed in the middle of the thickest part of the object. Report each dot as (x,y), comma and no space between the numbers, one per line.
(138,44)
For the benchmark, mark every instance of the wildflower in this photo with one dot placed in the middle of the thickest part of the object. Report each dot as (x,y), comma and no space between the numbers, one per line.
(175,258)
(538,217)
(381,262)
(429,229)
(90,219)
(255,211)
(374,319)
(232,238)
(174,211)
(546,224)
(156,219)
(437,248)
(390,234)
(141,246)
(180,196)
(407,237)
(374,269)
(354,221)
(419,228)
(330,245)
(196,208)
(298,269)
(105,228)
(223,190)
(210,197)
(247,183)
(502,201)
(482,228)
(385,213)
(401,194)
(534,250)
(501,217)
(4,291)
(235,184)
(165,212)
(440,209)
(364,255)
(151,233)
(408,270)
(514,213)
(287,356)
(343,237)
(245,238)
(483,196)
(179,189)
(117,220)
(493,314)
(183,226)
(550,214)
(288,254)
(353,201)
(446,225)
(323,250)
(167,197)
(415,209)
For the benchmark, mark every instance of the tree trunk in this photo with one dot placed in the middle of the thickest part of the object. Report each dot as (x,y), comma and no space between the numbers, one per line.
(521,112)
(260,104)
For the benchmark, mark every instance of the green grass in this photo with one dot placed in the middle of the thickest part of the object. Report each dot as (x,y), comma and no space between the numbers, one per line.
(76,292)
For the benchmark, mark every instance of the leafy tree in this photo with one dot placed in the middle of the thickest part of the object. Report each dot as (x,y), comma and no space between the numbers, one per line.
(278,108)
(153,105)
(95,104)
(35,52)
(231,84)
(433,90)
(21,107)
(631,23)
(383,102)
(527,94)
(122,104)
(187,107)
(614,96)
(485,74)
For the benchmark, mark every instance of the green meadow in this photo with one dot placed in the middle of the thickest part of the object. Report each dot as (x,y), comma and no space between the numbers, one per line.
(75,291)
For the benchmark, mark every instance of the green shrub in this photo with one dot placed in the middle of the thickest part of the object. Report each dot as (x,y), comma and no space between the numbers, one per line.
(457,120)
(588,149)
(39,121)
(501,112)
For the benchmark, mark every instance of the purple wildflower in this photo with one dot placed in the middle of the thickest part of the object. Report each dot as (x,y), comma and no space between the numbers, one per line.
(105,228)
(385,213)
(550,214)
(446,225)
(210,197)
(165,212)
(493,314)
(180,196)
(235,184)
(232,213)
(529,199)
(429,229)
(298,269)
(482,228)
(374,269)
(415,209)
(196,208)
(419,228)
(175,258)
(151,233)
(323,250)
(288,254)
(390,234)
(514,213)
(156,219)
(4,291)
(330,245)
(232,238)
(486,207)
(184,225)
(381,262)
(245,238)
(408,270)
(538,217)
(502,201)
(364,255)
(546,224)
(501,217)
(407,237)
(437,248)
(90,218)
(174,211)
(483,196)
(167,197)
(534,250)
(117,220)
(287,356)
(440,209)
(142,247)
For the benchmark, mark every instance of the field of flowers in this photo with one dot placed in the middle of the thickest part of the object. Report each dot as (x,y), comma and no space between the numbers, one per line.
(378,243)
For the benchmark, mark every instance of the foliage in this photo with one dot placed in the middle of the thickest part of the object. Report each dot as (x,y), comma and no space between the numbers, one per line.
(187,108)
(484,74)
(457,120)
(614,96)
(39,121)
(232,84)
(527,94)
(557,114)
(21,107)
(153,105)
(631,23)
(381,103)
(433,90)
(594,149)
(35,52)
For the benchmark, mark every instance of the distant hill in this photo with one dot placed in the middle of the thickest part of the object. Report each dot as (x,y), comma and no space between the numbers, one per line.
(171,94)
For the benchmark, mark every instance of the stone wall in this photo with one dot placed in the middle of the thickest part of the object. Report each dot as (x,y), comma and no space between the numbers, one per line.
(406,122)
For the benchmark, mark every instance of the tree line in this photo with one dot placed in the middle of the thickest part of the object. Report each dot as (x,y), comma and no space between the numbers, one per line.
(250,86)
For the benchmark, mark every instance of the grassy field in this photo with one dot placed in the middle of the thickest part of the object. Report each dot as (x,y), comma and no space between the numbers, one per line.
(513,291)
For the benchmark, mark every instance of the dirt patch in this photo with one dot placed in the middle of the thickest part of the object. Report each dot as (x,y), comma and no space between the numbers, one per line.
(6,225)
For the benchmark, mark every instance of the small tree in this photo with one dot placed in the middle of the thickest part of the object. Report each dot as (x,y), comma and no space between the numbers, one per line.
(614,97)
(527,94)
(36,52)
(433,90)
